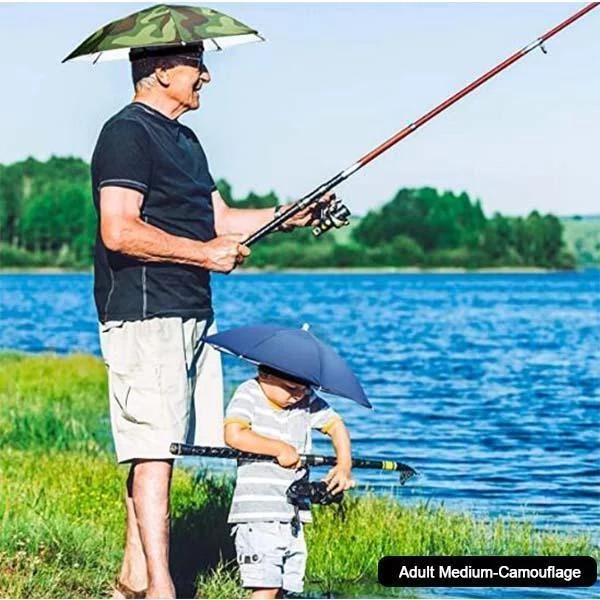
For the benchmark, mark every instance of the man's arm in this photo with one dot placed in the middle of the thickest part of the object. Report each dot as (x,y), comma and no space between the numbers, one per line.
(238,220)
(123,230)
(248,220)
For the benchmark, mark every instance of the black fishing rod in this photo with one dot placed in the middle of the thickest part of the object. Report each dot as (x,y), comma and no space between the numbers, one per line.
(309,460)
(336,214)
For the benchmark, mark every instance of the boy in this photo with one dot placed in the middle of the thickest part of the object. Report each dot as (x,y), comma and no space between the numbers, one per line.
(274,414)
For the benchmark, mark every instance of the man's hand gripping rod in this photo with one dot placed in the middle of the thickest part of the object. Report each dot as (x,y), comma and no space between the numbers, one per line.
(334,216)
(311,460)
(338,219)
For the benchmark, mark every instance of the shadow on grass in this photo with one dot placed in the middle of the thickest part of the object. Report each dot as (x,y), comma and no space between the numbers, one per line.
(203,554)
(200,538)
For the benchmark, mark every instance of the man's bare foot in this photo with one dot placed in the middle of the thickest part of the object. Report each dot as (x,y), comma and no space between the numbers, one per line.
(160,591)
(120,590)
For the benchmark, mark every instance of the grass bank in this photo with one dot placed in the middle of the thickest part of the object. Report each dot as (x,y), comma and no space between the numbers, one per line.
(62,517)
(582,237)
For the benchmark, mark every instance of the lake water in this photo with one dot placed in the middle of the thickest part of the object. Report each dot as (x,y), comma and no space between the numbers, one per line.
(489,385)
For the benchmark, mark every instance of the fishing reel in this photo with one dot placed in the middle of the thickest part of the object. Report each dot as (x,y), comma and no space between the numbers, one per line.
(303,493)
(333,215)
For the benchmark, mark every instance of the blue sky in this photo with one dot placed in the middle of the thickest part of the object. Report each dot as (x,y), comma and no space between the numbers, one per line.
(332,82)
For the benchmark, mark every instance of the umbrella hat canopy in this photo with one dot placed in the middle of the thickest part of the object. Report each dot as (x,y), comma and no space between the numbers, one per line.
(164,25)
(296,352)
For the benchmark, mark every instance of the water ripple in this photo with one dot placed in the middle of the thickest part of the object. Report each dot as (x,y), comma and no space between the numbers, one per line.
(487,384)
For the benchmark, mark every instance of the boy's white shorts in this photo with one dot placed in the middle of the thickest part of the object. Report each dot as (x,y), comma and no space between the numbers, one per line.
(165,385)
(270,556)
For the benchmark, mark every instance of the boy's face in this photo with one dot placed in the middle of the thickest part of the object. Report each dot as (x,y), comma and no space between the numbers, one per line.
(282,392)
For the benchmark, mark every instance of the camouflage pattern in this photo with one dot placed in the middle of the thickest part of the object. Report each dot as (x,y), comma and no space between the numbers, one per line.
(164,25)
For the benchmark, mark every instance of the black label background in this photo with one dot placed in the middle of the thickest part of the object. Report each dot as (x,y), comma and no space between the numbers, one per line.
(389,569)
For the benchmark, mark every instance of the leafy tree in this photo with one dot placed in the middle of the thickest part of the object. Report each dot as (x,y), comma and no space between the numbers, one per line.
(498,238)
(225,190)
(432,220)
(402,251)
(349,255)
(47,217)
(60,217)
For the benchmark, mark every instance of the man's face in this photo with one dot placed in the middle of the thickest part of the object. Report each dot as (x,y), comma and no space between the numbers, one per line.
(185,83)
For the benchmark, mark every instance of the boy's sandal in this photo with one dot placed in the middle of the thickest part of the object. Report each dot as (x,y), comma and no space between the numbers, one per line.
(127,591)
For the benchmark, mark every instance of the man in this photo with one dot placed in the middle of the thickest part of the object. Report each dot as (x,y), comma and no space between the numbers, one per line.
(163,226)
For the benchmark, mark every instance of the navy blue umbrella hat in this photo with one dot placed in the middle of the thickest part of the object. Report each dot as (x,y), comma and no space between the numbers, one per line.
(296,352)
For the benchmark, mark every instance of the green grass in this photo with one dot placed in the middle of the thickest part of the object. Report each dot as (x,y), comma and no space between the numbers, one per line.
(62,517)
(582,237)
(373,527)
(62,524)
(48,402)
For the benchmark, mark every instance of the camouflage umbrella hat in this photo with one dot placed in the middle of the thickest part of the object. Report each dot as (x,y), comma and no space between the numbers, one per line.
(164,25)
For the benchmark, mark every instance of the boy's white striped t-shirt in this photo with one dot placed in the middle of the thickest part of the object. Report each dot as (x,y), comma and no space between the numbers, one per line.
(260,490)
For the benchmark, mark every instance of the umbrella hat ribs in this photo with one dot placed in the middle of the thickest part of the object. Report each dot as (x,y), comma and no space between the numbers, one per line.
(164,25)
(295,352)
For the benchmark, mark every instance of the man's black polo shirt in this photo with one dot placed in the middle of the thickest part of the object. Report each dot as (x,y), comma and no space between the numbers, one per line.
(141,149)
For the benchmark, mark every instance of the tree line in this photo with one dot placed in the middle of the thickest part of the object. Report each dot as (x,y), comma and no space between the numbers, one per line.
(47,218)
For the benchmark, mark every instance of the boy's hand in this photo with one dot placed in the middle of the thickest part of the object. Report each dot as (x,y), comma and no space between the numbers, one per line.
(339,479)
(288,456)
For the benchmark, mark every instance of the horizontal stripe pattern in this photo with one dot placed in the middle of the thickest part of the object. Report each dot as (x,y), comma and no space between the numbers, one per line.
(260,491)
(248,517)
(265,480)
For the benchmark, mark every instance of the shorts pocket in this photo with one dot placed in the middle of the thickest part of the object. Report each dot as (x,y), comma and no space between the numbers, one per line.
(253,570)
(249,558)
(137,393)
(256,559)
(175,389)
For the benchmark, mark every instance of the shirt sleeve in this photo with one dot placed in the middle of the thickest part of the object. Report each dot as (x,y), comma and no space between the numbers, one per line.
(194,137)
(122,157)
(322,416)
(240,408)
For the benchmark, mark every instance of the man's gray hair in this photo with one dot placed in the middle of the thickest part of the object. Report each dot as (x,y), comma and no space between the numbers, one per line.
(146,83)
(144,61)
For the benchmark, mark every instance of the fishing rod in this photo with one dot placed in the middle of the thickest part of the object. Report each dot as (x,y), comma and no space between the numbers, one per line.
(309,460)
(336,214)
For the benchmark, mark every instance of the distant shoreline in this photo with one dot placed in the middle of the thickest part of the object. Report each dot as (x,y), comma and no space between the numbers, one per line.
(329,271)
(399,271)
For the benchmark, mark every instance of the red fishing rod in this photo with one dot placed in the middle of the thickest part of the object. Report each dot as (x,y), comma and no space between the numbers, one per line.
(336,214)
